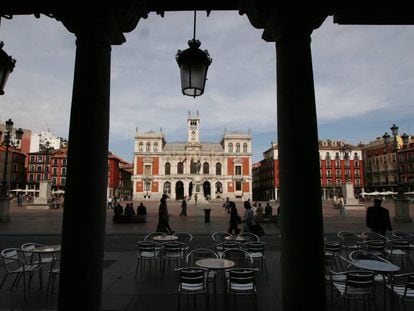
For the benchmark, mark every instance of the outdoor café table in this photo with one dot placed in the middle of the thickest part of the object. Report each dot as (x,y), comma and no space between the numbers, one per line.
(166,238)
(234,238)
(377,266)
(47,249)
(215,264)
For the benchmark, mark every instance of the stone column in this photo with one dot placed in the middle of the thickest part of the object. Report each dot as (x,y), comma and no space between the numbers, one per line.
(301,207)
(87,174)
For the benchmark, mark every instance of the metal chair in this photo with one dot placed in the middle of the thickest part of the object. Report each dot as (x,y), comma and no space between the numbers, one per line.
(349,240)
(241,281)
(359,286)
(54,272)
(148,252)
(249,237)
(173,254)
(402,288)
(14,260)
(185,238)
(219,236)
(257,251)
(201,253)
(150,236)
(400,248)
(241,258)
(192,282)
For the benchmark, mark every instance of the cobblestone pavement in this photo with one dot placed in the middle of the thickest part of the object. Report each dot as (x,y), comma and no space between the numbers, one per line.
(121,291)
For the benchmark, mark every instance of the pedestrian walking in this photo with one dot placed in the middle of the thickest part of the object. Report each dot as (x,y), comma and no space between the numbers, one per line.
(164,217)
(378,218)
(184,207)
(341,205)
(235,219)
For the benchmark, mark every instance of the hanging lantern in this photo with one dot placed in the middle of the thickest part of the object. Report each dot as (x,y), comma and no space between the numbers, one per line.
(6,66)
(193,64)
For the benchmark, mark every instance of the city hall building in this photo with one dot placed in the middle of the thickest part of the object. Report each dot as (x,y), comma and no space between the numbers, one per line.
(179,169)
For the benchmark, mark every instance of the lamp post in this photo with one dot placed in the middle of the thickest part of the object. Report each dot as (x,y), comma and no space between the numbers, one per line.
(193,64)
(7,142)
(402,210)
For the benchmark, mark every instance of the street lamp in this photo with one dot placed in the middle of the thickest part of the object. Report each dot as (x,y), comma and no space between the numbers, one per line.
(395,148)
(402,212)
(193,64)
(7,142)
(6,67)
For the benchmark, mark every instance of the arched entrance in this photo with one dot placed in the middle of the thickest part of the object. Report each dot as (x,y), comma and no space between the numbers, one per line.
(219,189)
(190,189)
(207,189)
(179,190)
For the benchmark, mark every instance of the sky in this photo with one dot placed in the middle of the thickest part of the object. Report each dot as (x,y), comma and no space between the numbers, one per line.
(364,78)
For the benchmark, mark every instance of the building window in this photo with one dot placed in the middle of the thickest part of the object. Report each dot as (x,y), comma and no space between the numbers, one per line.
(55,162)
(147,170)
(63,171)
(167,168)
(54,171)
(338,173)
(180,168)
(238,147)
(155,147)
(167,187)
(54,180)
(328,156)
(329,182)
(141,147)
(148,147)
(32,159)
(328,173)
(64,162)
(218,168)
(245,148)
(230,147)
(193,167)
(237,170)
(147,186)
(337,164)
(39,159)
(206,168)
(38,169)
(356,164)
(238,185)
(31,178)
(38,177)
(328,163)
(63,181)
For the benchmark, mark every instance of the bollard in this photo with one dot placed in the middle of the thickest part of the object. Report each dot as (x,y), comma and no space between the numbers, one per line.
(207,215)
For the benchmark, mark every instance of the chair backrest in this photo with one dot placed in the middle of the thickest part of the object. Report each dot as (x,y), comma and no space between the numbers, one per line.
(409,285)
(336,263)
(333,246)
(184,237)
(363,254)
(192,278)
(254,247)
(363,280)
(348,238)
(147,247)
(241,279)
(199,253)
(13,259)
(376,246)
(241,258)
(28,248)
(219,236)
(403,235)
(150,236)
(402,244)
(248,236)
(368,235)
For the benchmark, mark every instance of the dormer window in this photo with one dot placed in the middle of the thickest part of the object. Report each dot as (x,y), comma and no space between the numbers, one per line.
(230,147)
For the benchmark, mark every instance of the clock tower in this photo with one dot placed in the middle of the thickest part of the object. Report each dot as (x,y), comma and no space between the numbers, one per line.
(193,123)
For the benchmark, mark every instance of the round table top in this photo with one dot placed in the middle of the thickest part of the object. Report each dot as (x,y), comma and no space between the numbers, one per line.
(162,238)
(375,265)
(47,249)
(215,263)
(234,238)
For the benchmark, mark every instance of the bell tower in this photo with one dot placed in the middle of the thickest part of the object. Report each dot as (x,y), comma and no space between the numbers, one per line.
(193,123)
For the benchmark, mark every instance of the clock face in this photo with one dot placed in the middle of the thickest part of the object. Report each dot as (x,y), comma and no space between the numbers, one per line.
(193,127)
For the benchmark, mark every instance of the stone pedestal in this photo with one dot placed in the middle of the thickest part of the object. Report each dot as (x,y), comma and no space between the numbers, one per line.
(198,190)
(350,202)
(4,209)
(45,196)
(402,210)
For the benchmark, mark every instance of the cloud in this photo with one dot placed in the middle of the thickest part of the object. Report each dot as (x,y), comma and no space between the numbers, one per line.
(363,78)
